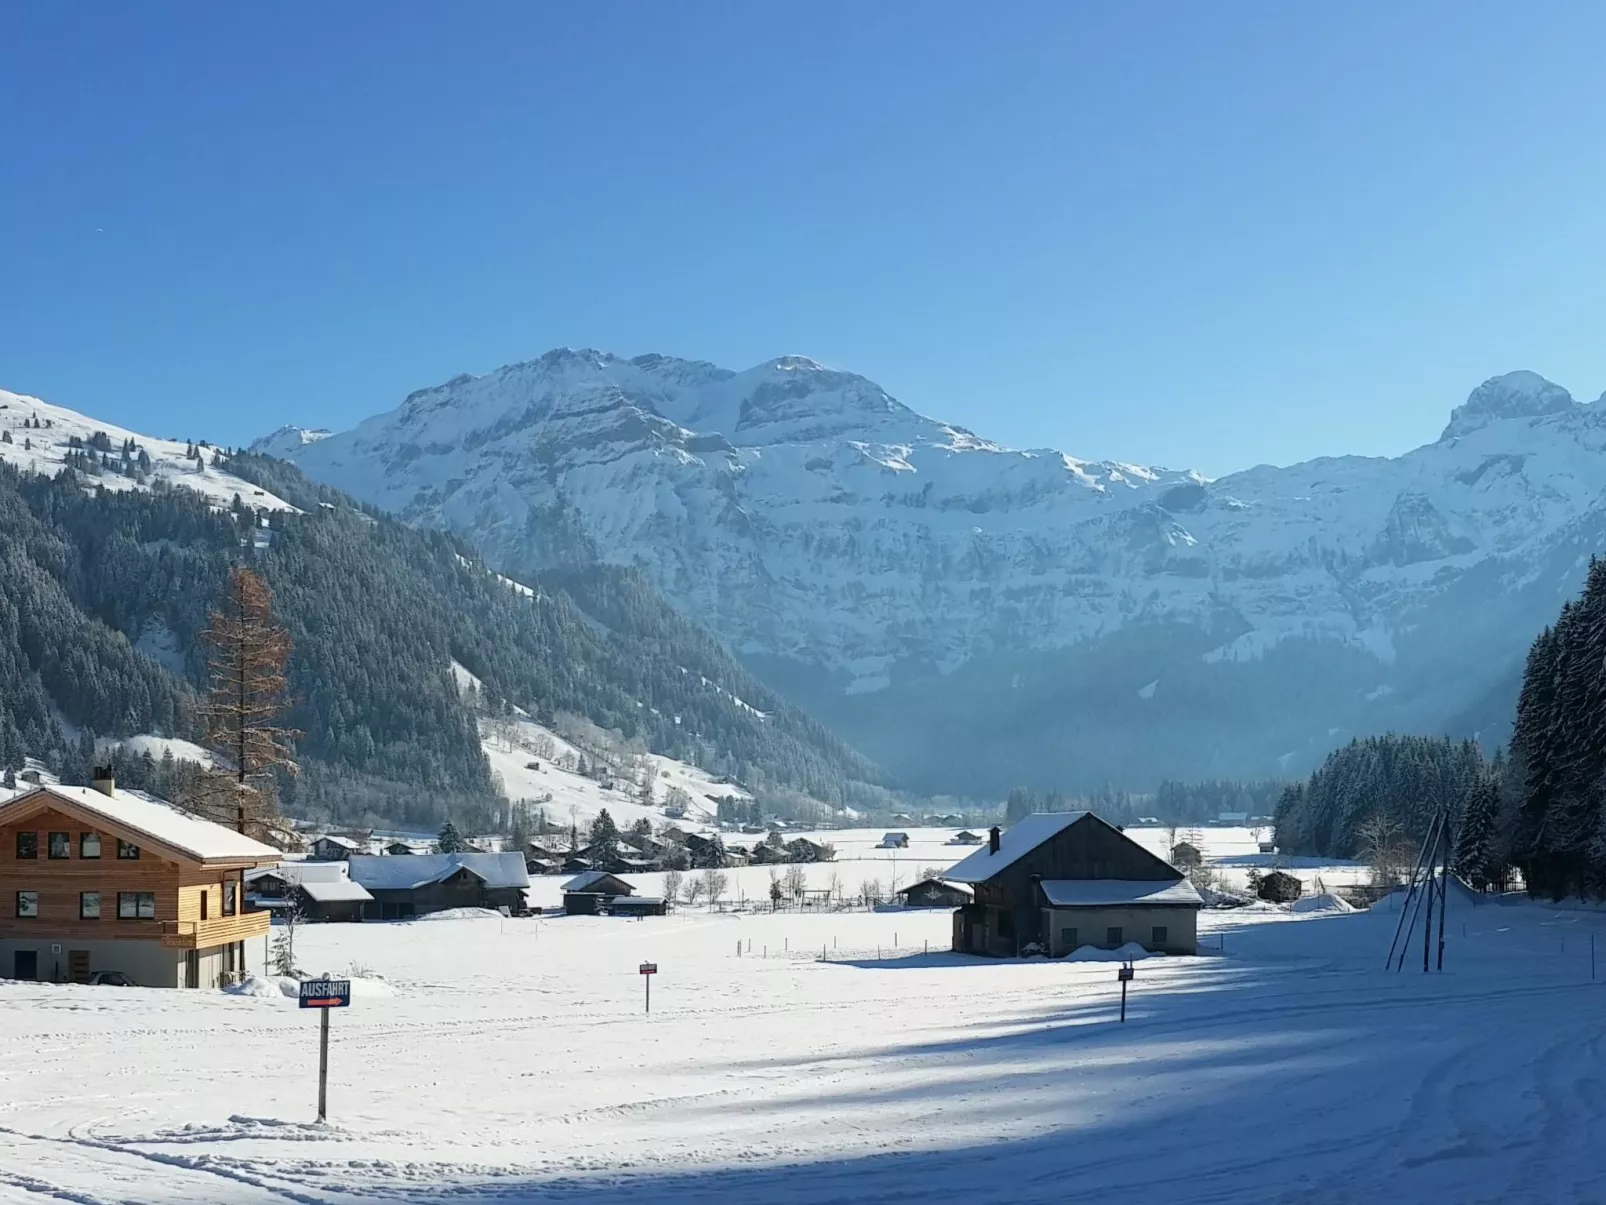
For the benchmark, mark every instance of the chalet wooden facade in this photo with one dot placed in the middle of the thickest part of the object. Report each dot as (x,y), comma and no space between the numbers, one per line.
(1058,881)
(934,893)
(100,879)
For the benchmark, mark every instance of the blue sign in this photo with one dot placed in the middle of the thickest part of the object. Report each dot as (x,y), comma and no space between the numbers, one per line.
(326,993)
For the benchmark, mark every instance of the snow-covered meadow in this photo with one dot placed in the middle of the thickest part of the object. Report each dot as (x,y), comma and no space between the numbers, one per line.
(511,1061)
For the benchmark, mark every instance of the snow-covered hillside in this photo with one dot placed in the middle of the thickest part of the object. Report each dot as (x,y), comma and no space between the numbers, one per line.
(539,772)
(43,438)
(840,540)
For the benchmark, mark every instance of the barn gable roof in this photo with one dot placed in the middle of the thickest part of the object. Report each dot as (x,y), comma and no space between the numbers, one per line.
(1026,835)
(387,873)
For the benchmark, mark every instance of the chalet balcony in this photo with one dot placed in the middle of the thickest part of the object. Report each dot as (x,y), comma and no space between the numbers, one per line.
(199,935)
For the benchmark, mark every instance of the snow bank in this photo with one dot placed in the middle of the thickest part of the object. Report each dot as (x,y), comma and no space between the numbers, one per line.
(1131,952)
(1325,901)
(253,985)
(461,914)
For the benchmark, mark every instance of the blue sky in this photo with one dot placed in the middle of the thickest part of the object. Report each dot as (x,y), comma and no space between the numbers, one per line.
(1194,235)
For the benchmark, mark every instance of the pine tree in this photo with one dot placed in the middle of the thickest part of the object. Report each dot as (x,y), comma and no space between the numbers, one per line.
(450,841)
(604,835)
(1475,856)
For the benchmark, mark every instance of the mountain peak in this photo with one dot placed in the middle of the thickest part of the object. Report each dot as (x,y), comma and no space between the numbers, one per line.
(1520,394)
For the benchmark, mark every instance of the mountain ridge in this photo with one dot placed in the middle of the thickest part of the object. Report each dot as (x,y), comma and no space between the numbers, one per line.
(870,560)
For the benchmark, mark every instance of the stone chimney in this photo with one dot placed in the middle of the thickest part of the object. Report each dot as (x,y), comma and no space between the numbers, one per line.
(992,840)
(101,779)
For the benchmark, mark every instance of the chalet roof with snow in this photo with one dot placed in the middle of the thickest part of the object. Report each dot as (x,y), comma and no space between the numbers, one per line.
(1016,841)
(1119,893)
(386,873)
(597,881)
(340,891)
(144,819)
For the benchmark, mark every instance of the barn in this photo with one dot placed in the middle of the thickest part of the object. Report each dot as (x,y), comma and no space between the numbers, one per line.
(424,883)
(934,893)
(1057,881)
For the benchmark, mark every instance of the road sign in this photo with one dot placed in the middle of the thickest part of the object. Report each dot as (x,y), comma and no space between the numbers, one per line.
(649,968)
(1124,974)
(326,993)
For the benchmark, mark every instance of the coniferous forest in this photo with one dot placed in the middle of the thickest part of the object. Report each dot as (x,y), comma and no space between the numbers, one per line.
(104,594)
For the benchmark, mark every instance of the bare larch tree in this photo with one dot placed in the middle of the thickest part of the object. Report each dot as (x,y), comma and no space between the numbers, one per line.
(247,693)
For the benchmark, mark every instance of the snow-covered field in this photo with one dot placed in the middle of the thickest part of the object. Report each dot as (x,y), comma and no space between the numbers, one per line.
(511,1061)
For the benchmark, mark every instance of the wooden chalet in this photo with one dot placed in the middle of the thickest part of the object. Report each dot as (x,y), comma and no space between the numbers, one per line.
(964,838)
(406,887)
(894,841)
(592,892)
(935,893)
(101,879)
(319,891)
(1061,880)
(330,848)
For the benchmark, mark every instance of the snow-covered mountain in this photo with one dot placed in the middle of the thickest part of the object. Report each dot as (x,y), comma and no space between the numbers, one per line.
(976,615)
(37,437)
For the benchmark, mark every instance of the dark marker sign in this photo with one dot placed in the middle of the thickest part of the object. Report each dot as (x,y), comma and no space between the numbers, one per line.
(326,993)
(1124,974)
(649,968)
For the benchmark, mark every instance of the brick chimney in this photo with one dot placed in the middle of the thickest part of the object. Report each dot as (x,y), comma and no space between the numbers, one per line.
(101,779)
(992,840)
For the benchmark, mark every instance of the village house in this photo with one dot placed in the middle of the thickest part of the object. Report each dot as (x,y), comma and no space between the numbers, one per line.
(588,893)
(425,883)
(320,891)
(894,841)
(935,893)
(801,849)
(964,838)
(1061,880)
(100,879)
(330,848)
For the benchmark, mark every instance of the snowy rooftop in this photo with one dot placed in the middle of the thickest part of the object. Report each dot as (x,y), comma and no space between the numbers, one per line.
(142,814)
(340,891)
(1114,893)
(391,873)
(303,872)
(587,880)
(1018,840)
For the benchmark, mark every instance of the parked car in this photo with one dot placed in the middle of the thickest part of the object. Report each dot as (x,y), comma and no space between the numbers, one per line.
(110,979)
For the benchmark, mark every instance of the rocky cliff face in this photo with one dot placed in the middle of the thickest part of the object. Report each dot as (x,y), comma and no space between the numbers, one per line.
(1059,620)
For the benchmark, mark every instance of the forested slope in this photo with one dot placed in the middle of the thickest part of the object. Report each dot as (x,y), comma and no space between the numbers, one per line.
(378,612)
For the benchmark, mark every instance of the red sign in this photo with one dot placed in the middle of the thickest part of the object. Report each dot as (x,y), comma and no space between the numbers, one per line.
(649,968)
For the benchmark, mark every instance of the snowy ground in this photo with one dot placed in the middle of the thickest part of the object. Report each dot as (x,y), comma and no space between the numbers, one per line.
(512,1062)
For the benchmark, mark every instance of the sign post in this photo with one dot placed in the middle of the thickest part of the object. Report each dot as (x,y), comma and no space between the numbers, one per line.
(324,994)
(648,970)
(1125,976)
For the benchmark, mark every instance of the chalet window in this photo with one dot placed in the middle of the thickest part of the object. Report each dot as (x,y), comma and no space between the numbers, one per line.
(1112,935)
(60,845)
(127,850)
(1006,923)
(1068,938)
(136,905)
(89,845)
(27,904)
(27,845)
(229,904)
(205,895)
(89,905)
(1159,936)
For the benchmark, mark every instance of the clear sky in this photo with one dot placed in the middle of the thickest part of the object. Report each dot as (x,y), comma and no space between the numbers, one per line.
(1199,235)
